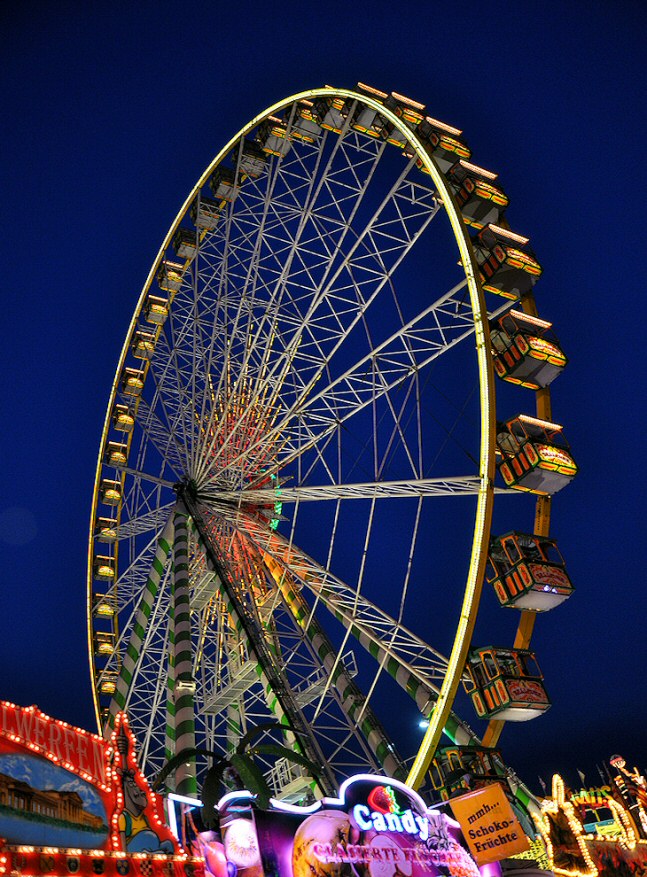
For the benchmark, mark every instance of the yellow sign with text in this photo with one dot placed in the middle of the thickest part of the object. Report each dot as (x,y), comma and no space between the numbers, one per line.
(487,820)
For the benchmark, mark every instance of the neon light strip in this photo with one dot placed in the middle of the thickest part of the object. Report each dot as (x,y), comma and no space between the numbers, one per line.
(526,318)
(506,233)
(408,101)
(449,128)
(489,175)
(526,418)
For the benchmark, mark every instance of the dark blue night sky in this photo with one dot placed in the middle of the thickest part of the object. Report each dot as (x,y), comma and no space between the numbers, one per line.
(110,113)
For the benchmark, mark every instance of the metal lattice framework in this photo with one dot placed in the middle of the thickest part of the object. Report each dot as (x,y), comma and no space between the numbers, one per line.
(278,384)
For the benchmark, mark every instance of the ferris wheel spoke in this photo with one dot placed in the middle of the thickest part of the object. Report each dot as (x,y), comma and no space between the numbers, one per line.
(410,660)
(461,486)
(428,335)
(163,437)
(142,502)
(148,693)
(340,304)
(145,476)
(344,719)
(293,261)
(331,671)
(367,381)
(301,170)
(173,383)
(145,522)
(176,376)
(354,390)
(247,622)
(234,252)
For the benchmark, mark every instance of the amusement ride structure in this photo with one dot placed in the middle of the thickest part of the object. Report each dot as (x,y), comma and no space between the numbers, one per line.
(302,429)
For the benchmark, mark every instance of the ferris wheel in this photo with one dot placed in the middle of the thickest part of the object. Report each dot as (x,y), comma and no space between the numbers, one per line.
(295,485)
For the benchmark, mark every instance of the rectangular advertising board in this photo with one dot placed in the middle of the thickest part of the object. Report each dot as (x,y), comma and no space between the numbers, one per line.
(489,825)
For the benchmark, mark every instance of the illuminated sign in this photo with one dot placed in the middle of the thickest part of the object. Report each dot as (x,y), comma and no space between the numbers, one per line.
(489,824)
(551,454)
(548,348)
(382,813)
(66,789)
(526,690)
(405,821)
(71,748)
(377,827)
(550,576)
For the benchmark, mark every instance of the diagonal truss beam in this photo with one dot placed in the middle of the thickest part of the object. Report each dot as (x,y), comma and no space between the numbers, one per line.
(414,663)
(461,486)
(262,649)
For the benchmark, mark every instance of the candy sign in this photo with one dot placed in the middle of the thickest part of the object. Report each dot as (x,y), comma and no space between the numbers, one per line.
(404,821)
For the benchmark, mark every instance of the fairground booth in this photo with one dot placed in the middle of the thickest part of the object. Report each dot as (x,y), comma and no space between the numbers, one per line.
(72,802)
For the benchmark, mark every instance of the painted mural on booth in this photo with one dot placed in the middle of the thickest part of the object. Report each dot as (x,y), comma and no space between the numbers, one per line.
(64,788)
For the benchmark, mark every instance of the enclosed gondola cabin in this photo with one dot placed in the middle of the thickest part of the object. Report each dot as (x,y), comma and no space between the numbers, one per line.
(480,201)
(535,455)
(132,381)
(528,572)
(526,353)
(455,770)
(104,605)
(104,567)
(331,113)
(143,345)
(105,530)
(110,491)
(273,136)
(116,454)
(108,682)
(366,119)
(104,644)
(223,184)
(505,684)
(156,310)
(304,125)
(251,158)
(185,243)
(442,143)
(205,213)
(507,265)
(169,276)
(122,419)
(410,111)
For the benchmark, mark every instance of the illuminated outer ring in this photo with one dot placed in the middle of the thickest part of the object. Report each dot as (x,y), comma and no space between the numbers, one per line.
(486,467)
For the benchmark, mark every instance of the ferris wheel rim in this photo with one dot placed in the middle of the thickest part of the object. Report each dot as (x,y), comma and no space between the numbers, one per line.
(486,381)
